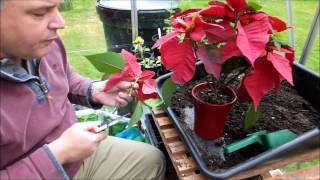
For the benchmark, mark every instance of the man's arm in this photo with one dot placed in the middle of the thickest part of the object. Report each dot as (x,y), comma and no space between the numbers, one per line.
(74,145)
(79,87)
(80,90)
(40,164)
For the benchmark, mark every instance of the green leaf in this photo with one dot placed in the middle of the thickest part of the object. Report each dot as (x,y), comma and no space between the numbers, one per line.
(280,35)
(153,103)
(277,43)
(168,88)
(136,116)
(108,63)
(280,38)
(194,4)
(251,117)
(253,4)
(88,117)
(181,37)
(105,76)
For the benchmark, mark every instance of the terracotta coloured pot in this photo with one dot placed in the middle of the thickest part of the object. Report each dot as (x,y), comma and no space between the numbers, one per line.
(209,119)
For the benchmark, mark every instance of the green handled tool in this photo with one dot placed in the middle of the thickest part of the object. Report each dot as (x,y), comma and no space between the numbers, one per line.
(266,140)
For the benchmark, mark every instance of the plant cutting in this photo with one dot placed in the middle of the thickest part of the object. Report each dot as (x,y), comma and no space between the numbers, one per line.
(237,43)
(127,66)
(132,72)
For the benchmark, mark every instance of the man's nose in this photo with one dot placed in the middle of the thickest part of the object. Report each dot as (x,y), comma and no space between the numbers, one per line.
(57,21)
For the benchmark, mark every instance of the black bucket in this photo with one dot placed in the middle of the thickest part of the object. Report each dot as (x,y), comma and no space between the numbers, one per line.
(116,18)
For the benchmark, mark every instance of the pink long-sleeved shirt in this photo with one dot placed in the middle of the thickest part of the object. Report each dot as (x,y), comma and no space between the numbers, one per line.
(28,121)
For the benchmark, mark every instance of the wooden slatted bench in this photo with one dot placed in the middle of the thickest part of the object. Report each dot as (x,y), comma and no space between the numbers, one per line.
(183,163)
(187,169)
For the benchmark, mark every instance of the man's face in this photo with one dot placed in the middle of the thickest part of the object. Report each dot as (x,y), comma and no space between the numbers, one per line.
(28,27)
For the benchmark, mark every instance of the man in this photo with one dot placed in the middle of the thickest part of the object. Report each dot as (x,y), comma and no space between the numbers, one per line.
(39,136)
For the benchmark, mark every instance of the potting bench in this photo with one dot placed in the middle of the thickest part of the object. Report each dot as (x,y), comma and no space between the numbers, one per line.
(186,168)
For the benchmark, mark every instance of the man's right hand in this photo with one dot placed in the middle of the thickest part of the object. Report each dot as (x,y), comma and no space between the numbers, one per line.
(76,143)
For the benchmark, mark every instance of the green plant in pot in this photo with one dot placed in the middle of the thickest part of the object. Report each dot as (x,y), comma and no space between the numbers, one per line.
(147,59)
(237,43)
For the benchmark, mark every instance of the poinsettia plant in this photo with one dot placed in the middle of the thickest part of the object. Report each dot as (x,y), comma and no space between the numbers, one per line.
(235,34)
(132,72)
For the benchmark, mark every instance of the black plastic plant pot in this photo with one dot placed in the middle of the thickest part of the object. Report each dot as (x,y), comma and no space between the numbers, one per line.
(307,83)
(116,18)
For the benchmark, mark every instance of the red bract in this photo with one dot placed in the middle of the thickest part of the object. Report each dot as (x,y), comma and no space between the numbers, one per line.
(242,92)
(277,24)
(184,22)
(282,65)
(288,51)
(165,39)
(147,90)
(289,54)
(202,28)
(267,73)
(179,58)
(260,80)
(239,6)
(147,86)
(193,25)
(213,59)
(218,9)
(132,72)
(221,35)
(253,37)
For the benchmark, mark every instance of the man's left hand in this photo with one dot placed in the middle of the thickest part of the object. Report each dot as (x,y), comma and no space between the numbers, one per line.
(117,96)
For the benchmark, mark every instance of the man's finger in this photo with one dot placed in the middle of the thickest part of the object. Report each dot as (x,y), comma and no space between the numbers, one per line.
(89,124)
(127,85)
(126,97)
(120,101)
(101,136)
(124,85)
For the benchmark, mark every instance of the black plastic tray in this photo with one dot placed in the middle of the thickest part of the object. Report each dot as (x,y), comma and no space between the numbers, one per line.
(307,84)
(152,132)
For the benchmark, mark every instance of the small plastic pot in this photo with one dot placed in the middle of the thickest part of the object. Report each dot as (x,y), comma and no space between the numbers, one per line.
(209,119)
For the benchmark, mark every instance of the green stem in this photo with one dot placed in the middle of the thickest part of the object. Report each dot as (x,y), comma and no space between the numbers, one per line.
(141,51)
(135,81)
(210,82)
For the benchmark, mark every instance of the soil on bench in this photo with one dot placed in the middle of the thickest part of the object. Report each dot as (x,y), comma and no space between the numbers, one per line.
(283,110)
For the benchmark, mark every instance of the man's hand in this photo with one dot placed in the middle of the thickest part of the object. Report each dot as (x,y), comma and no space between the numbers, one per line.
(117,96)
(76,143)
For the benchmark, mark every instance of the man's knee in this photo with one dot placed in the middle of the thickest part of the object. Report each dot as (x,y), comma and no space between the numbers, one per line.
(154,160)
